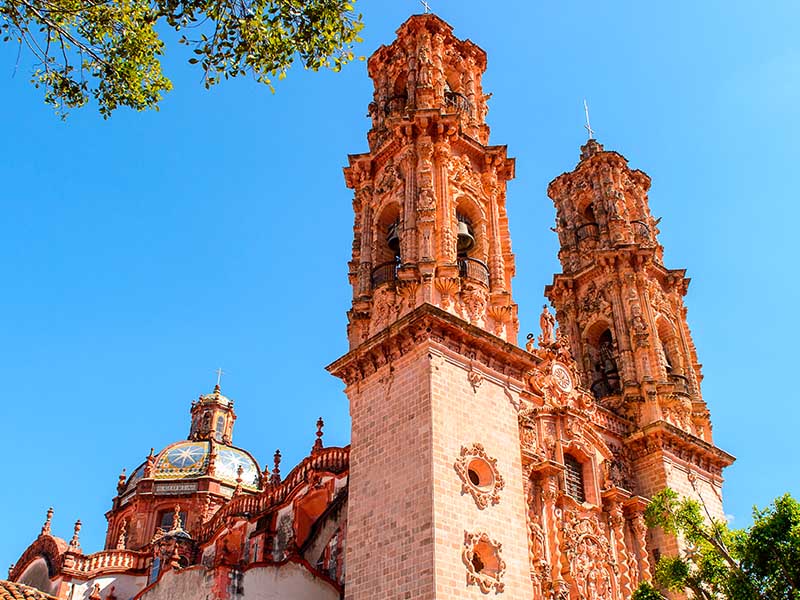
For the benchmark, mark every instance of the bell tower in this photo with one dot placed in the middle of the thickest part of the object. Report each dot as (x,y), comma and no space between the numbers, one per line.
(430,215)
(624,315)
(437,504)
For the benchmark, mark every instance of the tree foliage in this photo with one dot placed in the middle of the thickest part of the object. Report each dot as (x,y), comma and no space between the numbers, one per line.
(759,563)
(112,49)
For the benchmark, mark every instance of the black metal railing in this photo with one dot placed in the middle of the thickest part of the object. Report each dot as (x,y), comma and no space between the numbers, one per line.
(473,268)
(385,272)
(587,231)
(457,102)
(640,230)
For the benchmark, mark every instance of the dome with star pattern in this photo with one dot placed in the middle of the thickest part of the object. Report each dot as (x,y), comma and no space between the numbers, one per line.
(189,459)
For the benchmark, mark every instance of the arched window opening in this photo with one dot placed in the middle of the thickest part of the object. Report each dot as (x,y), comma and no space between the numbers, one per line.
(605,373)
(220,431)
(387,246)
(573,478)
(167,519)
(397,103)
(588,229)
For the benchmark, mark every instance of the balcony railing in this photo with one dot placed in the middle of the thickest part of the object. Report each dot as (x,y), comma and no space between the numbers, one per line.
(385,273)
(587,231)
(456,101)
(640,230)
(474,269)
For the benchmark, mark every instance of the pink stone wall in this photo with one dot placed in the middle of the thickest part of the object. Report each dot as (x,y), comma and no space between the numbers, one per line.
(464,414)
(390,550)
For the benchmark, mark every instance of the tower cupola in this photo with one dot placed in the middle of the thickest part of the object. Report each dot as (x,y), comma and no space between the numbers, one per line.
(212,417)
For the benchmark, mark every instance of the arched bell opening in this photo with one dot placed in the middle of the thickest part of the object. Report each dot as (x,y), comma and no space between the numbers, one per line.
(399,98)
(587,228)
(387,242)
(601,358)
(669,354)
(471,251)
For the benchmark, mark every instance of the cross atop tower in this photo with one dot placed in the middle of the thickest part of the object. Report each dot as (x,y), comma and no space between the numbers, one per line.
(427,7)
(588,125)
(219,373)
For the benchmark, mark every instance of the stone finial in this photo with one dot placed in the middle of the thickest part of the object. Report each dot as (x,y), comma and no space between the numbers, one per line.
(48,521)
(121,482)
(123,535)
(111,595)
(176,519)
(10,570)
(238,489)
(95,595)
(318,443)
(75,542)
(150,464)
(275,478)
(175,559)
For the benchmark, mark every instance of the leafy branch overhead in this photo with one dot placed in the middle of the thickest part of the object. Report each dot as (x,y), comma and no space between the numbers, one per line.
(112,49)
(759,563)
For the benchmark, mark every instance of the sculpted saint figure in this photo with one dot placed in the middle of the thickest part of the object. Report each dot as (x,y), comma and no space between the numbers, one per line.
(546,322)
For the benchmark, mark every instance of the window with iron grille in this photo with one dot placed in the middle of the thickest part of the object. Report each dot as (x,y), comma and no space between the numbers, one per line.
(574,478)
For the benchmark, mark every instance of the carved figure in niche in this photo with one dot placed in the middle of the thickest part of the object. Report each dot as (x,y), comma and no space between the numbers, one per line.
(424,61)
(546,322)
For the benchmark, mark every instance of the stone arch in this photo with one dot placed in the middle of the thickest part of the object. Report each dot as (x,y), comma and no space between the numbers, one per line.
(467,208)
(601,358)
(45,547)
(387,216)
(668,349)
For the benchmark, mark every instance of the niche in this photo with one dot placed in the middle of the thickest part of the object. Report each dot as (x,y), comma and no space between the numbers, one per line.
(485,566)
(603,363)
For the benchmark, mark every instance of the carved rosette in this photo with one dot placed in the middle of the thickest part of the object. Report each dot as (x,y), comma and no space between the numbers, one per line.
(485,567)
(479,475)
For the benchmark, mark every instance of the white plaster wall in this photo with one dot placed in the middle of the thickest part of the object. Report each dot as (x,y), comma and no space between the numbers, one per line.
(289,581)
(125,587)
(36,576)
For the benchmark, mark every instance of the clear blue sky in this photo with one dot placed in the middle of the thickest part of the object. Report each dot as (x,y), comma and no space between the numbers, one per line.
(139,254)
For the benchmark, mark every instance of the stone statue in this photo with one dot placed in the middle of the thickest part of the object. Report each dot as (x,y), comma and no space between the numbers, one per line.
(546,322)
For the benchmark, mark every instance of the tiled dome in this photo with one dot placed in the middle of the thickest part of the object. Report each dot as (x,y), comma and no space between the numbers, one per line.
(189,459)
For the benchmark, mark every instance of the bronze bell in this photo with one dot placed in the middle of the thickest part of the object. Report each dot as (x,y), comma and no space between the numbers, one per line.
(466,241)
(393,238)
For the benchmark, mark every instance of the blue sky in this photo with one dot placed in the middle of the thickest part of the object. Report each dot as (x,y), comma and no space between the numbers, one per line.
(141,253)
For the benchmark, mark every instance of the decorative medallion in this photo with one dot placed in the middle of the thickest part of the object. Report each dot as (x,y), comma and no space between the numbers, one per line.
(485,567)
(479,475)
(562,377)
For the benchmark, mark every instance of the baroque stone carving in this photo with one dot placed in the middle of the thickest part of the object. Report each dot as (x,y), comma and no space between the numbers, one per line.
(479,475)
(485,567)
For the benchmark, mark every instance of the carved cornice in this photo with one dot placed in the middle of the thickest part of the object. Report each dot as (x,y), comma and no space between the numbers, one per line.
(428,324)
(663,437)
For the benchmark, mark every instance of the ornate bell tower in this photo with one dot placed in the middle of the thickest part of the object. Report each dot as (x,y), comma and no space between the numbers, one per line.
(430,215)
(436,496)
(623,313)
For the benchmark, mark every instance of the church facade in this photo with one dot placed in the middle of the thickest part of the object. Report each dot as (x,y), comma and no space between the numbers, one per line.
(476,467)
